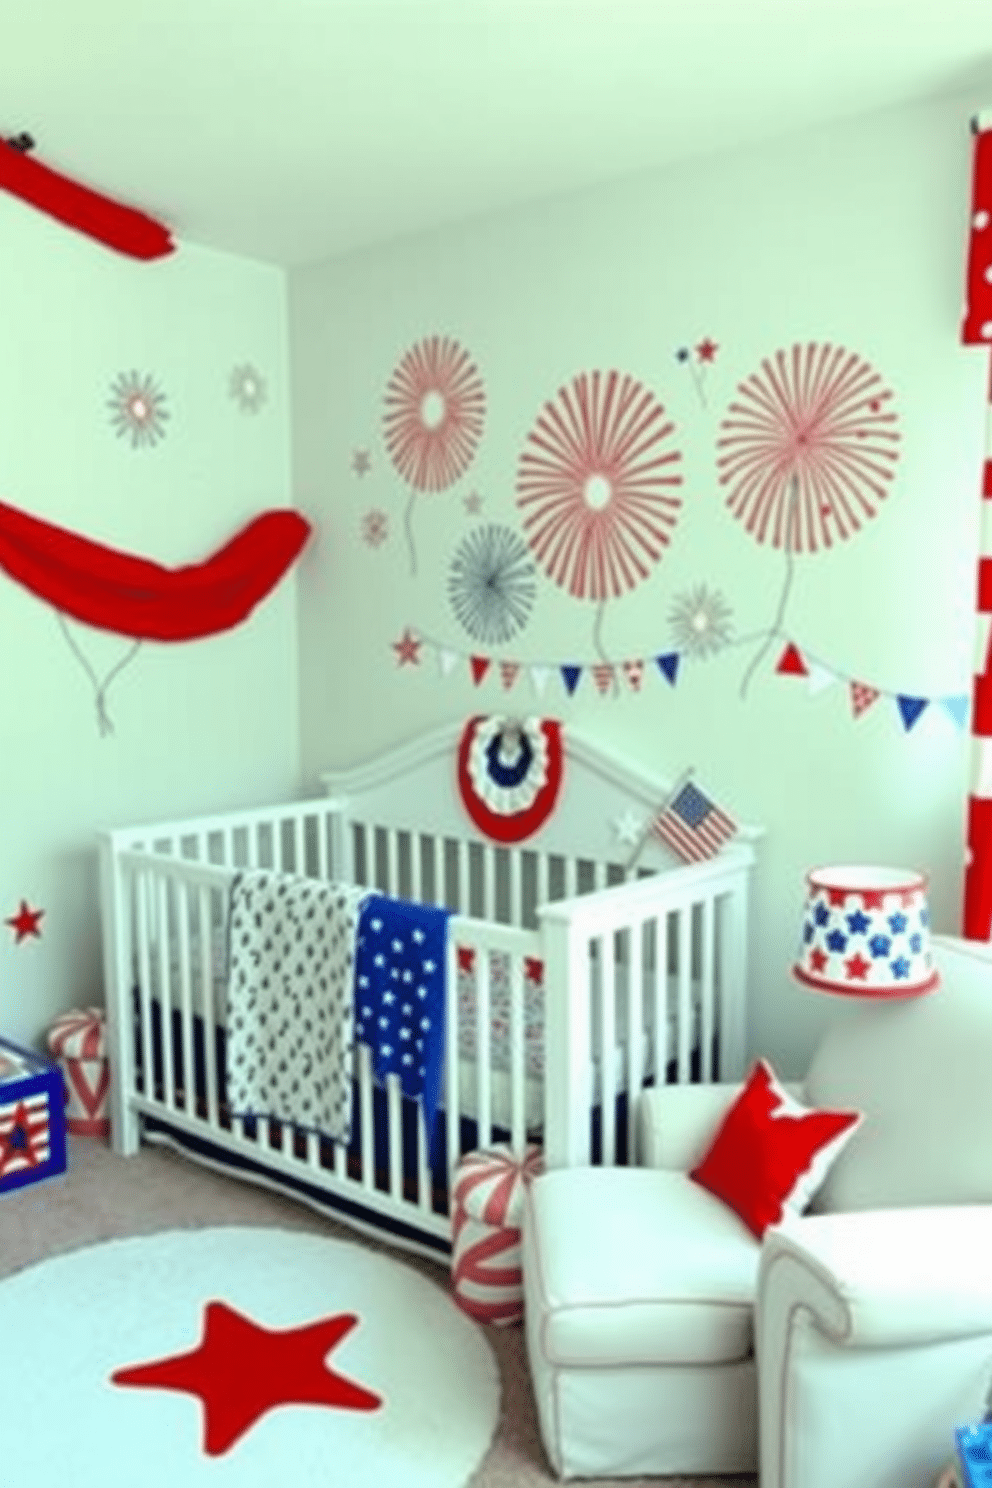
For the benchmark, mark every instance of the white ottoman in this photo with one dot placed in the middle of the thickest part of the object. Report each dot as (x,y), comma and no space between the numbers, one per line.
(638,1291)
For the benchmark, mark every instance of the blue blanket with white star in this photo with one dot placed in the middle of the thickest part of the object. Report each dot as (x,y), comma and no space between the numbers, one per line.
(400,974)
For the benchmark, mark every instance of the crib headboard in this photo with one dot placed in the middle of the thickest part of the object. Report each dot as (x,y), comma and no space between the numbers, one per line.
(414,788)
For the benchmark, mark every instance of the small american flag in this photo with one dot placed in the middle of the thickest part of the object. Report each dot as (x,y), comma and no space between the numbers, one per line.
(23,1133)
(692,825)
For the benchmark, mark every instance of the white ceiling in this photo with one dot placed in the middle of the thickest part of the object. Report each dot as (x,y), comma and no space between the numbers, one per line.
(295,130)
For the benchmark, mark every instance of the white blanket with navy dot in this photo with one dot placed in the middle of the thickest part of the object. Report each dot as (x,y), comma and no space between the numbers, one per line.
(290,999)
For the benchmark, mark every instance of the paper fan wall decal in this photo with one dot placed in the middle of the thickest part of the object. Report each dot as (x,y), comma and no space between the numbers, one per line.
(435,412)
(807,450)
(491,584)
(808,447)
(597,485)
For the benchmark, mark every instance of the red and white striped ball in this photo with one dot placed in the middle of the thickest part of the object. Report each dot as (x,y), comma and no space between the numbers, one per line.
(78,1040)
(487,1208)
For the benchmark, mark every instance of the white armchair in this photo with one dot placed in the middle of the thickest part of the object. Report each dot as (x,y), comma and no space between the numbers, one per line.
(876,1311)
(648,1303)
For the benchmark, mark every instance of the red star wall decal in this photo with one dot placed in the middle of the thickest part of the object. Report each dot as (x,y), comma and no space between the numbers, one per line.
(25,922)
(706,350)
(241,1370)
(407,649)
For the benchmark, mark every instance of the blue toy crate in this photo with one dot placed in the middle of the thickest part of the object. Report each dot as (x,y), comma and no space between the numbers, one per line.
(32,1118)
(974,1445)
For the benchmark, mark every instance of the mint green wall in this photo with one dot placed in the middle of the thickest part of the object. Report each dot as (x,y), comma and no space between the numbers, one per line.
(196,726)
(853,236)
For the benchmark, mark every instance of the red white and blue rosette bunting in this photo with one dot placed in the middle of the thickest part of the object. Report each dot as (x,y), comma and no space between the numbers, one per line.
(510,774)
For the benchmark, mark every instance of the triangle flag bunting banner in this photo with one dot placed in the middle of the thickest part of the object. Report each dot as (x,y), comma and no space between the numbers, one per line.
(633,672)
(791,663)
(910,708)
(570,676)
(958,708)
(613,679)
(862,697)
(819,678)
(668,665)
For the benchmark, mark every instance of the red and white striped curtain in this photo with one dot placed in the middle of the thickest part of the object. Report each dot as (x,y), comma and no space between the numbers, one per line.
(976,330)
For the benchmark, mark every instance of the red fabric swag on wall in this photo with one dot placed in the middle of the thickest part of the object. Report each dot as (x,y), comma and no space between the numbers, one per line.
(135,597)
(123,228)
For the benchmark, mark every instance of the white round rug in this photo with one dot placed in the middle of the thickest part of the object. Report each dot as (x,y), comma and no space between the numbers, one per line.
(244,1358)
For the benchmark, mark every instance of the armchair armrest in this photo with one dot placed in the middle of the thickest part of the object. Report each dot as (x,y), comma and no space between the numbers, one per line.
(873,1334)
(883,1277)
(677,1123)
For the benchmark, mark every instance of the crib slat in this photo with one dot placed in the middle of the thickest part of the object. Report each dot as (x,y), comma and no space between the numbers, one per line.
(684,991)
(392,884)
(165,994)
(206,991)
(483,1045)
(662,1049)
(707,992)
(543,875)
(437,879)
(515,905)
(489,883)
(461,858)
(518,1055)
(607,1048)
(185,998)
(323,835)
(451,1087)
(424,1194)
(416,876)
(636,1060)
(141,888)
(394,1109)
(364,1058)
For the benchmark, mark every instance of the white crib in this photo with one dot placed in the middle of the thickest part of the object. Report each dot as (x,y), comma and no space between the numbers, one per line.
(573,980)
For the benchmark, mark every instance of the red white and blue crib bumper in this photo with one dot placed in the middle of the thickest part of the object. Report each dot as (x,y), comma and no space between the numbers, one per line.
(510,774)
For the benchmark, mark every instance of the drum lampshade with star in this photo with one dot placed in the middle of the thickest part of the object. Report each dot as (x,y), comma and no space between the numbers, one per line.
(866,933)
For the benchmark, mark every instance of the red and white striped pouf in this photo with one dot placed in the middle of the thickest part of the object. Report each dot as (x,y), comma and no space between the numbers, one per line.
(487,1208)
(78,1040)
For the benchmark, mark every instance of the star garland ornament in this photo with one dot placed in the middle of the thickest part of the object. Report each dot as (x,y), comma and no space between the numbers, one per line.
(510,774)
(407,649)
(25,922)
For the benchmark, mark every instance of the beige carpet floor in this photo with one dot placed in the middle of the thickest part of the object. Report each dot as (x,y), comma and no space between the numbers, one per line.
(103,1196)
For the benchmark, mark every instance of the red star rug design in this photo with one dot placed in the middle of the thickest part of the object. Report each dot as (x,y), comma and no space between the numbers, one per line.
(252,1355)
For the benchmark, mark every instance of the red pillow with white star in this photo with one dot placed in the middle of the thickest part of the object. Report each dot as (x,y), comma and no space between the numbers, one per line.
(772,1153)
